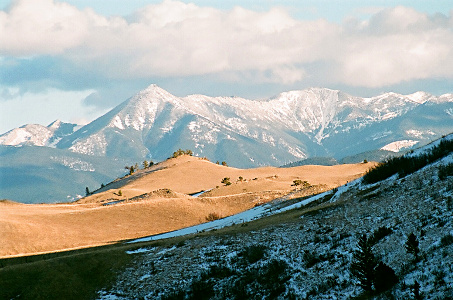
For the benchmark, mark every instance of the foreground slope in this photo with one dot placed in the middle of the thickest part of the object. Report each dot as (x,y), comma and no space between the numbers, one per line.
(157,200)
(306,253)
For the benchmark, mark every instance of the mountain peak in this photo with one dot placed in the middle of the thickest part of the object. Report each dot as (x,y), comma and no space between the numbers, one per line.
(55,124)
(154,88)
(419,97)
(151,93)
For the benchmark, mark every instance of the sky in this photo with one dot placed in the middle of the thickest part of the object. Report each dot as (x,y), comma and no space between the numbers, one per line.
(76,59)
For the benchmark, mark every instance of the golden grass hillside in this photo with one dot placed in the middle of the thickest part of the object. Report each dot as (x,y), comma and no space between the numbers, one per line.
(156,200)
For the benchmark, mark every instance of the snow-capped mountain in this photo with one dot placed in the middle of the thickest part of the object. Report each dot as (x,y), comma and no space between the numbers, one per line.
(292,126)
(37,135)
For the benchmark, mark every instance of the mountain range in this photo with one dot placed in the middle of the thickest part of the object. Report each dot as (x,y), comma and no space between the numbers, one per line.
(290,127)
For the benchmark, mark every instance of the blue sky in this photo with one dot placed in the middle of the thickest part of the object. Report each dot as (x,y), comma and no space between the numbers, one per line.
(76,59)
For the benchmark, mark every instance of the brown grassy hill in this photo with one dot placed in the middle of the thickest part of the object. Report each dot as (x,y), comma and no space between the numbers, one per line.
(156,200)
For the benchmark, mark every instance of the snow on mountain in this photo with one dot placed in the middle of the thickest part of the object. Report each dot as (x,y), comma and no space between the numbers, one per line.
(419,97)
(398,145)
(37,135)
(32,133)
(291,126)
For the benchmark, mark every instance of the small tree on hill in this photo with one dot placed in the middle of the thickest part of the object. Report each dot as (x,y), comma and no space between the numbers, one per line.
(130,169)
(226,181)
(412,245)
(87,191)
(145,164)
(180,152)
(224,164)
(364,263)
(297,182)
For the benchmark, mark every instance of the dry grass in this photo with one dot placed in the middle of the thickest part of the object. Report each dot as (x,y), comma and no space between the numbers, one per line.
(32,229)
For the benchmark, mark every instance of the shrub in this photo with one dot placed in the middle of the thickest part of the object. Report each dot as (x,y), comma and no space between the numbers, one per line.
(213,216)
(180,152)
(298,182)
(273,276)
(253,253)
(310,259)
(446,240)
(445,171)
(218,272)
(201,289)
(226,181)
(224,164)
(120,193)
(379,234)
(384,277)
(131,169)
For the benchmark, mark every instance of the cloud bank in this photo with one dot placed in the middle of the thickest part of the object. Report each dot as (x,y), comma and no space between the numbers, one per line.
(174,39)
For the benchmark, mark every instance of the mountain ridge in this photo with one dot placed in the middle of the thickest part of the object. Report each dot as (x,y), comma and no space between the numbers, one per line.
(289,127)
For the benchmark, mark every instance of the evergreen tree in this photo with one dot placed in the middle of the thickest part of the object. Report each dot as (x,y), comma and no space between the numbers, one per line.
(145,164)
(364,263)
(87,191)
(415,288)
(412,245)
(385,277)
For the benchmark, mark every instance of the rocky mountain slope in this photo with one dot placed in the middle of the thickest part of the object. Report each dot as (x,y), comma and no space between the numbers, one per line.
(307,252)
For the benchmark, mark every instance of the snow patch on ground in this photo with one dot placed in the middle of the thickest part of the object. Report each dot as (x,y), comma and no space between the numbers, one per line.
(399,145)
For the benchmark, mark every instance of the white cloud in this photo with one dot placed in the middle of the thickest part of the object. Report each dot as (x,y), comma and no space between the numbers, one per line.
(177,39)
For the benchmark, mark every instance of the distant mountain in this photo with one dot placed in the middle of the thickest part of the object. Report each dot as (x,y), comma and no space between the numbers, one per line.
(38,135)
(291,127)
(32,174)
(247,133)
(320,161)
